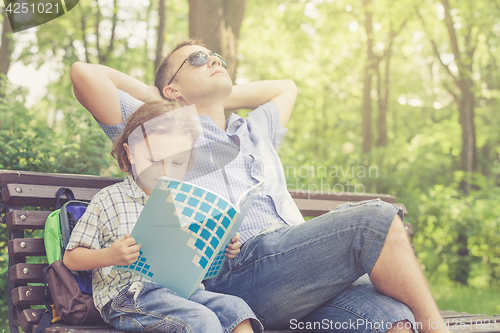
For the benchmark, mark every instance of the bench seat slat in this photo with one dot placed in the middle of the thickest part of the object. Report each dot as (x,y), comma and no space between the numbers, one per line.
(26,273)
(29,317)
(41,195)
(468,319)
(31,247)
(26,219)
(455,314)
(28,295)
(486,328)
(64,328)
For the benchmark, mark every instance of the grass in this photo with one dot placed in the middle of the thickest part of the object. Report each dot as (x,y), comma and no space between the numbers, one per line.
(467,299)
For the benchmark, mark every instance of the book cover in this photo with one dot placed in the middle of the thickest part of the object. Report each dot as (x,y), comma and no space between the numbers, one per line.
(184,230)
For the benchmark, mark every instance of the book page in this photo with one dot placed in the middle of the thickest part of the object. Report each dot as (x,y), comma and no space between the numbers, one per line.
(243,206)
(246,200)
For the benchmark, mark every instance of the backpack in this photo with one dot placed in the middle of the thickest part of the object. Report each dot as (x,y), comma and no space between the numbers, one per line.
(58,228)
(71,291)
(60,223)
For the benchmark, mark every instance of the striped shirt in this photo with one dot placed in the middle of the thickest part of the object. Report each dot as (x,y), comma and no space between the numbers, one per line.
(111,214)
(259,136)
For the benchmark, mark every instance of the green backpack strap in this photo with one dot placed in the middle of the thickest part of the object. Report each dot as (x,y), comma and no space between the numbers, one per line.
(52,238)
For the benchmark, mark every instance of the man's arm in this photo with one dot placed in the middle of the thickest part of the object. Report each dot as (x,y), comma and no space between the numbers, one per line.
(251,95)
(95,87)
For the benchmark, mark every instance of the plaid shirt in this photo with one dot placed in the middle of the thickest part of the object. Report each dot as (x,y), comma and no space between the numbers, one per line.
(259,136)
(111,214)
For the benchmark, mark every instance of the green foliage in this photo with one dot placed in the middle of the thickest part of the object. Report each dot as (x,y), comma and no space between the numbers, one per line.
(30,142)
(441,215)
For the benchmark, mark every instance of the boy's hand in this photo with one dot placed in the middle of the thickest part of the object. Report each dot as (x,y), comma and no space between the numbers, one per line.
(234,248)
(124,251)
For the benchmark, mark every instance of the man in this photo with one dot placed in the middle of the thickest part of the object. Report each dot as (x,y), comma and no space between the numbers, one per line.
(292,274)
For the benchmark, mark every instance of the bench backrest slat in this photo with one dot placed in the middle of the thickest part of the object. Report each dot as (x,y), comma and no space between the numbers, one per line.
(316,207)
(55,179)
(26,273)
(26,219)
(41,195)
(319,195)
(28,295)
(26,247)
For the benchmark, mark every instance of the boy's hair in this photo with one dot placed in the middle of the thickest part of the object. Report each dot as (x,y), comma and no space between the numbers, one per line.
(164,70)
(174,122)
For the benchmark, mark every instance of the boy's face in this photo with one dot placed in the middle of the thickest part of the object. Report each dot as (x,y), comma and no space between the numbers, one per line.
(167,155)
(199,84)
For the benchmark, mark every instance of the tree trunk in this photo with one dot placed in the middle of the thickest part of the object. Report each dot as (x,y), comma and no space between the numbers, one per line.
(162,13)
(6,46)
(462,89)
(84,35)
(219,33)
(466,100)
(114,21)
(468,157)
(382,112)
(367,84)
(97,23)
(383,101)
(146,63)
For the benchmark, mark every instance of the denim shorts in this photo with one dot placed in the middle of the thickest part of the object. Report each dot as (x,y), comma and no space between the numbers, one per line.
(148,307)
(306,272)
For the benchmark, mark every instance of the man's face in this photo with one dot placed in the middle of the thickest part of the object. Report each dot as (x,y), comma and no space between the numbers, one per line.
(199,84)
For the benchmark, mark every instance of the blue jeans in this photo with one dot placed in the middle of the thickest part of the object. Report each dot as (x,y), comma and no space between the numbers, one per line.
(148,307)
(288,273)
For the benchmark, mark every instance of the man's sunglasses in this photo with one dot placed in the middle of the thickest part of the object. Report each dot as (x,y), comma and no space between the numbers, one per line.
(199,58)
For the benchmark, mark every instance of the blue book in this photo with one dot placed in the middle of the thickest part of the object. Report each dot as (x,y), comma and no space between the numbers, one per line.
(184,230)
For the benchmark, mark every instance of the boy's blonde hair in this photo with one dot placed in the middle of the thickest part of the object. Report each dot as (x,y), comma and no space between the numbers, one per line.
(175,122)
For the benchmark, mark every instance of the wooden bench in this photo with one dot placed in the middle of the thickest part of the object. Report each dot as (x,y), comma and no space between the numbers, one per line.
(27,198)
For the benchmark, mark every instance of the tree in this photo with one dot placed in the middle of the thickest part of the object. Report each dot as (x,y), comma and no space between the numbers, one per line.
(7,46)
(101,54)
(464,33)
(370,66)
(218,23)
(383,86)
(84,34)
(460,84)
(160,32)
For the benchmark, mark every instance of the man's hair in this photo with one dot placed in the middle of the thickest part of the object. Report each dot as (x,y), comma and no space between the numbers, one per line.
(175,122)
(164,72)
